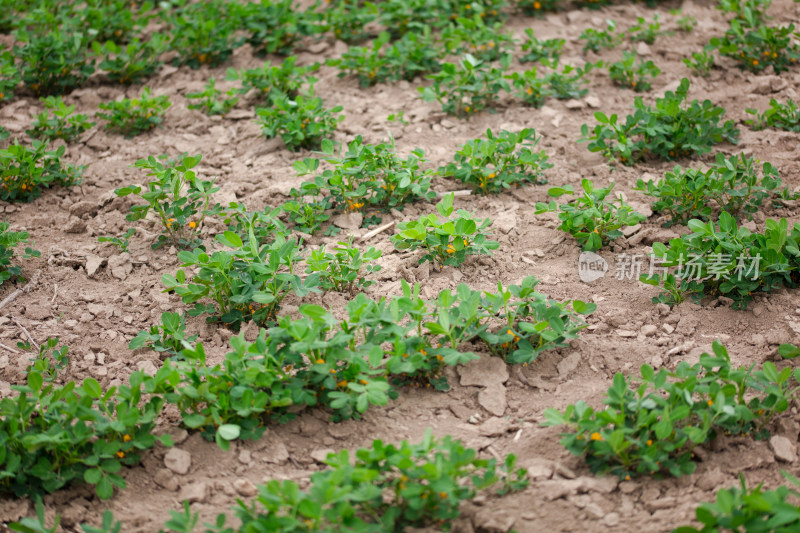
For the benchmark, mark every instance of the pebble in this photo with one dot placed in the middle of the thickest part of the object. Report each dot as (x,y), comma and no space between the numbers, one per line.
(484,372)
(493,399)
(245,487)
(321,454)
(166,479)
(194,492)
(178,460)
(648,330)
(783,449)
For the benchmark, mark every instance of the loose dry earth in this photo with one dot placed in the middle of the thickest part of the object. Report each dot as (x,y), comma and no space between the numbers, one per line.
(498,409)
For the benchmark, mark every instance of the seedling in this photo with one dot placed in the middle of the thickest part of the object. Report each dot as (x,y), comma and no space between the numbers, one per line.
(344,270)
(446,241)
(120,242)
(398,117)
(275,27)
(758,48)
(674,128)
(274,83)
(686,23)
(368,176)
(701,63)
(538,8)
(468,87)
(169,337)
(60,122)
(53,435)
(130,63)
(570,83)
(302,122)
(26,170)
(249,282)
(205,33)
(349,20)
(597,40)
(651,425)
(729,261)
(537,49)
(497,163)
(53,62)
(394,488)
(132,117)
(49,361)
(593,221)
(643,32)
(209,101)
(632,76)
(732,184)
(749,509)
(530,88)
(180,201)
(472,36)
(9,76)
(782,116)
(405,59)
(307,217)
(8,241)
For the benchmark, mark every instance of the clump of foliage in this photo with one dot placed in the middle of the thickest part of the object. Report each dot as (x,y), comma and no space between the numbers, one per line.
(627,73)
(674,128)
(782,116)
(302,122)
(177,197)
(499,162)
(446,241)
(54,62)
(367,176)
(467,87)
(57,121)
(591,219)
(650,425)
(127,64)
(731,184)
(26,170)
(134,116)
(209,100)
(723,260)
(8,241)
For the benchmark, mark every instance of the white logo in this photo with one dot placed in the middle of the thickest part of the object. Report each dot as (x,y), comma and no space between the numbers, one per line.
(591,267)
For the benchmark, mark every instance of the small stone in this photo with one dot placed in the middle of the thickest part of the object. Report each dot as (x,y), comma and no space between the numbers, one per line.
(120,266)
(592,101)
(245,487)
(493,399)
(648,330)
(575,104)
(74,225)
(166,479)
(626,333)
(194,492)
(93,264)
(667,328)
(351,221)
(483,372)
(758,310)
(660,503)
(539,468)
(320,455)
(245,457)
(147,367)
(711,479)
(494,427)
(783,448)
(642,49)
(79,209)
(568,365)
(178,460)
(611,519)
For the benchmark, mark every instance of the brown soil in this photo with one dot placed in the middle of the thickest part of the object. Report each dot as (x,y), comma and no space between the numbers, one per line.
(98,316)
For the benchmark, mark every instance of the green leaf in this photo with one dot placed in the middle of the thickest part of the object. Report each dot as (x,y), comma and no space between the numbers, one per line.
(92,388)
(229,431)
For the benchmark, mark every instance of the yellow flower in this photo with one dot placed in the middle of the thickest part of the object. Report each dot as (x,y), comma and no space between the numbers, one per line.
(755,62)
(363,381)
(597,436)
(120,454)
(649,442)
(537,5)
(333,371)
(126,438)
(710,403)
(192,224)
(342,383)
(320,361)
